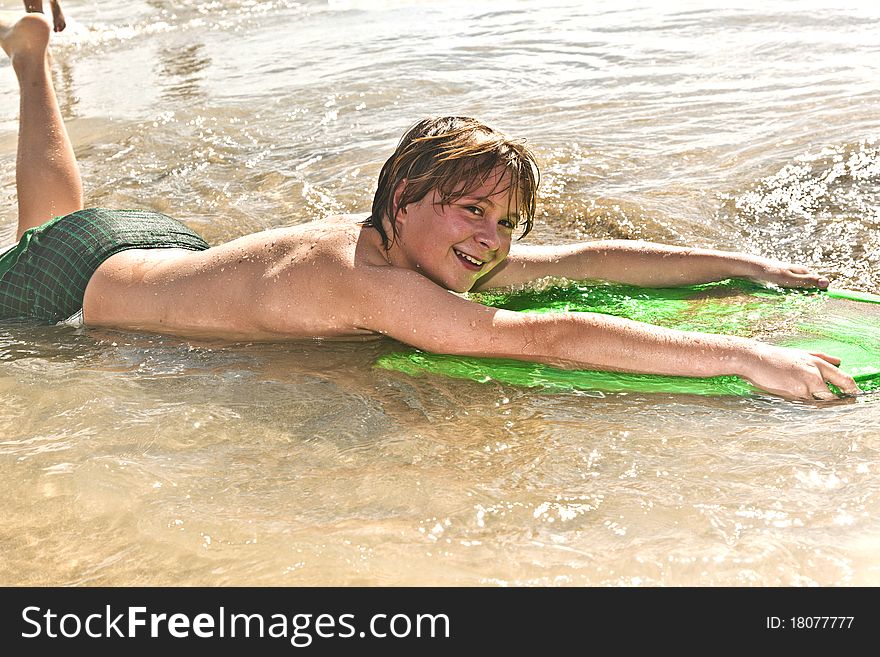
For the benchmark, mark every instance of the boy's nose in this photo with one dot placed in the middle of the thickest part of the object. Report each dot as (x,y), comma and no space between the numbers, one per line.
(488,235)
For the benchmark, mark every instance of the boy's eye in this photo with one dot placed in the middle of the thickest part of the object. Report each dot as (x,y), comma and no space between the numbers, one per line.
(475,209)
(508,223)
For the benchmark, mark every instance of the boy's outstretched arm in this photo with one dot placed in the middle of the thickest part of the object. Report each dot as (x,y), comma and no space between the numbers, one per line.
(643,263)
(413,310)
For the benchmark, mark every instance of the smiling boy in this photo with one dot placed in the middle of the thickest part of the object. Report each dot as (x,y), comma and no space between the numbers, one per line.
(448,204)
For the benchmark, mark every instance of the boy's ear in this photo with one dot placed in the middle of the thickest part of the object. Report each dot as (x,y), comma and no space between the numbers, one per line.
(398,191)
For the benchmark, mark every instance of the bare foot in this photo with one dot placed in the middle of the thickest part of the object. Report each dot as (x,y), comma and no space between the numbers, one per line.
(24,37)
(58,20)
(58,16)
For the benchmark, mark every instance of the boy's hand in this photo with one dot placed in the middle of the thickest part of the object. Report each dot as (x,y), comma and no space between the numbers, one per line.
(784,274)
(796,374)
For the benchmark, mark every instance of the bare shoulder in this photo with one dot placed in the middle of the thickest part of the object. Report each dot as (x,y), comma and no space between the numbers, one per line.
(341,267)
(340,241)
(319,278)
(323,242)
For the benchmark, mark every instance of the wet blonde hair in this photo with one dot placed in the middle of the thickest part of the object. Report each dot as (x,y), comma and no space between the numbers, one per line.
(453,155)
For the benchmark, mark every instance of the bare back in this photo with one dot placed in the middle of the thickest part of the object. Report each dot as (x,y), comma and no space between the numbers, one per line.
(294,282)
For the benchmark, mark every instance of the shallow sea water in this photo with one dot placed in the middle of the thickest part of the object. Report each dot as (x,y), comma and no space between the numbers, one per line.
(131,459)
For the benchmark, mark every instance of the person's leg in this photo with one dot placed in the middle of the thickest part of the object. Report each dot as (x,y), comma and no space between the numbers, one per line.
(58,19)
(33,6)
(46,175)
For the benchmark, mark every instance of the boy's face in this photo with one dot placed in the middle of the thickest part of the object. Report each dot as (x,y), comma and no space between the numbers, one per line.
(456,244)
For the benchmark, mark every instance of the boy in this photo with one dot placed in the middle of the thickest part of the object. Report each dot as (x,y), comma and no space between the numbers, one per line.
(448,203)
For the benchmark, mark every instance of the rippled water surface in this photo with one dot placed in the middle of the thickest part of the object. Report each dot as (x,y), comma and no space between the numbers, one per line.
(138,459)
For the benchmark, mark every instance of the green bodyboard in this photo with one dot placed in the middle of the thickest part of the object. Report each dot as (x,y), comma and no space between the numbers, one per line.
(839,323)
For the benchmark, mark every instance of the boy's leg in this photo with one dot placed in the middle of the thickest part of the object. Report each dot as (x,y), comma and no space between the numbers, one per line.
(46,176)
(58,19)
(57,15)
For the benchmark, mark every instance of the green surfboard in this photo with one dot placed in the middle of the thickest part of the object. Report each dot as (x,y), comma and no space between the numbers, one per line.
(840,323)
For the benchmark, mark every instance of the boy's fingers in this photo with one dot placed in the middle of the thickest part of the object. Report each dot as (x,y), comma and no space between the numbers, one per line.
(845,383)
(824,395)
(834,360)
(807,280)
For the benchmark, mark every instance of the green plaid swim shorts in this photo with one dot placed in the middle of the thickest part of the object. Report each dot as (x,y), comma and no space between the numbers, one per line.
(44,276)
